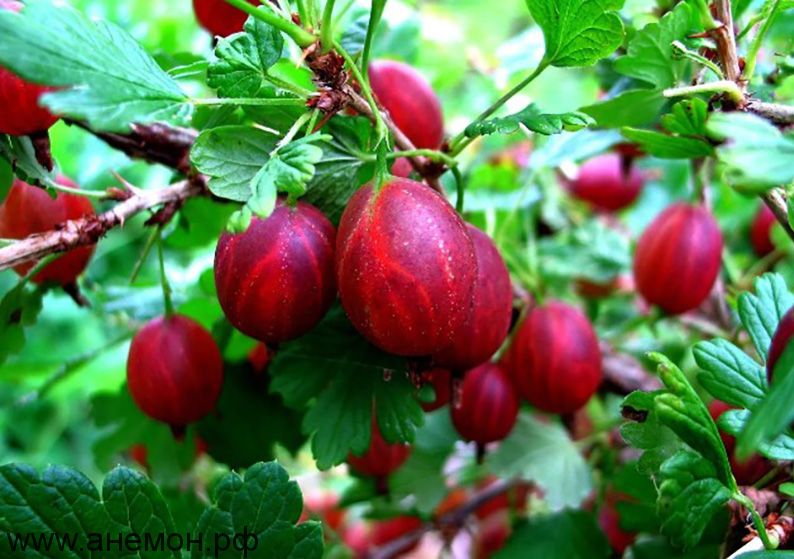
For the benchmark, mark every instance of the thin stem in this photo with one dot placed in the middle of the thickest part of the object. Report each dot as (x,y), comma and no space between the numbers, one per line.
(298,90)
(758,522)
(302,12)
(168,303)
(96,194)
(375,14)
(770,10)
(274,102)
(755,20)
(441,157)
(460,141)
(147,248)
(341,13)
(723,86)
(692,55)
(40,265)
(294,129)
(327,26)
(380,126)
(312,121)
(301,37)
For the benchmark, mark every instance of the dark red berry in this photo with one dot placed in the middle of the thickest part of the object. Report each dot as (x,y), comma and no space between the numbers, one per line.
(140,455)
(488,406)
(28,209)
(780,341)
(174,370)
(609,521)
(748,471)
(386,531)
(219,17)
(607,183)
(761,229)
(489,318)
(405,266)
(381,458)
(410,101)
(678,258)
(441,380)
(629,149)
(259,357)
(275,281)
(492,535)
(20,112)
(554,360)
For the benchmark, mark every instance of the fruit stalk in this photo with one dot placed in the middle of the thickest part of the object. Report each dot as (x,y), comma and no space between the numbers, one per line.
(301,37)
(775,200)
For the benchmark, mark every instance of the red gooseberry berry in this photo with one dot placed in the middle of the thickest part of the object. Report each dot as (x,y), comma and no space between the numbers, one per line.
(381,458)
(780,341)
(357,538)
(323,506)
(405,266)
(386,531)
(174,370)
(761,231)
(746,472)
(609,521)
(259,357)
(275,281)
(488,405)
(678,258)
(492,534)
(492,307)
(441,381)
(28,209)
(219,17)
(607,183)
(554,360)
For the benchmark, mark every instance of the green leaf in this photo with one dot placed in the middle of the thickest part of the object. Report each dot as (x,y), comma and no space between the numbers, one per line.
(572,147)
(243,60)
(566,535)
(634,107)
(578,32)
(231,156)
(781,447)
(729,374)
(19,152)
(650,53)
(263,507)
(778,554)
(666,146)
(756,155)
(19,308)
(533,119)
(341,375)
(687,118)
(761,313)
(544,454)
(108,79)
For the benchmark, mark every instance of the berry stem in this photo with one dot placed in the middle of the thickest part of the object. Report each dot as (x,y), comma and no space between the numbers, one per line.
(768,14)
(97,194)
(301,37)
(147,248)
(168,303)
(374,19)
(380,126)
(728,87)
(327,26)
(758,522)
(252,102)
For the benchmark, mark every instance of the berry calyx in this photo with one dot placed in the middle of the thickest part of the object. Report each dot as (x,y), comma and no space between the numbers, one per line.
(489,318)
(405,266)
(275,281)
(554,360)
(174,370)
(381,458)
(761,230)
(28,209)
(488,406)
(607,182)
(219,17)
(678,258)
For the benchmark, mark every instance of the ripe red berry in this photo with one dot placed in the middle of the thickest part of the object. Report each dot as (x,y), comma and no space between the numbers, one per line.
(219,17)
(441,380)
(761,229)
(140,455)
(357,538)
(386,531)
(554,360)
(492,535)
(275,281)
(748,471)
(405,266)
(381,458)
(323,506)
(783,333)
(678,258)
(489,318)
(20,112)
(606,183)
(259,357)
(28,209)
(609,521)
(174,370)
(488,405)
(410,101)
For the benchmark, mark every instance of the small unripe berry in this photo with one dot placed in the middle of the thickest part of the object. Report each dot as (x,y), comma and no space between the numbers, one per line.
(441,380)
(28,209)
(761,229)
(607,183)
(488,406)
(489,318)
(554,360)
(275,281)
(219,17)
(780,341)
(381,458)
(405,266)
(678,258)
(174,370)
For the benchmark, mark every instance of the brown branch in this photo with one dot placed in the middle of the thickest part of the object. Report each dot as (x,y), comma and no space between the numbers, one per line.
(775,200)
(723,34)
(781,115)
(88,230)
(455,517)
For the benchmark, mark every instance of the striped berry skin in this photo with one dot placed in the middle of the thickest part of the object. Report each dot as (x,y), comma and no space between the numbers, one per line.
(219,17)
(410,101)
(488,405)
(760,231)
(489,318)
(554,360)
(606,184)
(783,333)
(174,370)
(381,458)
(20,113)
(678,258)
(28,209)
(405,267)
(275,281)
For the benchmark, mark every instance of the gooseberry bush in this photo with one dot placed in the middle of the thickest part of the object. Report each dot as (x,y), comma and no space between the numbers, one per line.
(370,279)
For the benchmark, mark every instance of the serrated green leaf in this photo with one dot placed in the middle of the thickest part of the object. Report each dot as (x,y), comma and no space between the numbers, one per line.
(544,454)
(687,118)
(566,535)
(108,79)
(734,422)
(533,119)
(578,32)
(729,374)
(666,146)
(761,312)
(634,107)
